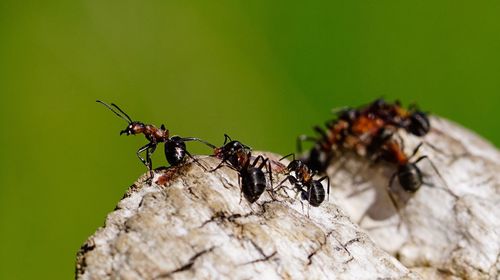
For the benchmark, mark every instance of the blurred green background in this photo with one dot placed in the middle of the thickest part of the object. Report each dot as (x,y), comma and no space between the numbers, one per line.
(262,72)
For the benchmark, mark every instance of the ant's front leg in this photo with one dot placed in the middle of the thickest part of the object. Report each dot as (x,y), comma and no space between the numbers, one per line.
(289,178)
(149,152)
(141,150)
(149,148)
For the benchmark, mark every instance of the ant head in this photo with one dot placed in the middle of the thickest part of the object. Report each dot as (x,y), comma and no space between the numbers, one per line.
(418,123)
(409,177)
(233,151)
(295,165)
(133,128)
(234,147)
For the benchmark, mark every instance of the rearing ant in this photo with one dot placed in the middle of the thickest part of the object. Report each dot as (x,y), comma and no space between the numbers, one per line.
(175,147)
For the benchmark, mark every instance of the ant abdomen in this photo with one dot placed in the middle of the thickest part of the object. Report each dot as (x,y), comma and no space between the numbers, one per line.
(409,177)
(419,124)
(253,183)
(175,150)
(315,194)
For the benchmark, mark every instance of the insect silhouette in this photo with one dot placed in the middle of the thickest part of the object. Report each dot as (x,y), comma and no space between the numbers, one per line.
(302,178)
(175,147)
(251,177)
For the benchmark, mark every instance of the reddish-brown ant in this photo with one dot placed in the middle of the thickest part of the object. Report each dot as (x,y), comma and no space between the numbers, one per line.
(354,129)
(175,147)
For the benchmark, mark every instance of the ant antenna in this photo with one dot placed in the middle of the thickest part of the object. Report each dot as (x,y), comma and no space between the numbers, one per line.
(124,116)
(292,154)
(226,137)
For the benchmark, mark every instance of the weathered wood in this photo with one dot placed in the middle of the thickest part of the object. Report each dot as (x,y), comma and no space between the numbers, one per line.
(192,224)
(443,231)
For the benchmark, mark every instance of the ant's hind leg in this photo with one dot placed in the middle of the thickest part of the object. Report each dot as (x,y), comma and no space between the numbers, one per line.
(186,139)
(393,200)
(196,161)
(434,167)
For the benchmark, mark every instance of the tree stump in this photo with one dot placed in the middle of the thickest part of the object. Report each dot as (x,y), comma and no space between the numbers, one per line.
(194,224)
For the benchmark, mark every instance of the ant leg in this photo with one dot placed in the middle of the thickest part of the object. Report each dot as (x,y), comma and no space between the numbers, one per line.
(303,138)
(199,140)
(291,154)
(149,152)
(196,161)
(401,142)
(289,178)
(453,157)
(320,131)
(256,160)
(142,149)
(393,199)
(219,165)
(415,151)
(226,137)
(308,200)
(270,173)
(438,173)
(241,189)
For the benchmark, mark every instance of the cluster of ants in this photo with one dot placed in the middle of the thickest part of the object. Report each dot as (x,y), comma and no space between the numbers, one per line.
(369,131)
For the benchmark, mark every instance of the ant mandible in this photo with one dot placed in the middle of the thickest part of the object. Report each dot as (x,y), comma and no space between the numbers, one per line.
(175,147)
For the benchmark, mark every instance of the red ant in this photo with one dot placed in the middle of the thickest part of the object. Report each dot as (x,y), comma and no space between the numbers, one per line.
(175,147)
(355,128)
(412,120)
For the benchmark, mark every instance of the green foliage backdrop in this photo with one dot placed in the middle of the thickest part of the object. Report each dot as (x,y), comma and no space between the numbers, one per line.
(261,71)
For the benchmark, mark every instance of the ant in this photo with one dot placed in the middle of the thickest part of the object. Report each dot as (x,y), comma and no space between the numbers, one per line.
(175,147)
(251,178)
(355,128)
(408,174)
(310,189)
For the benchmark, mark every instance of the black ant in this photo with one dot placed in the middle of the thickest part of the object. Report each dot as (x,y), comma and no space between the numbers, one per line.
(302,179)
(251,178)
(408,174)
(175,147)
